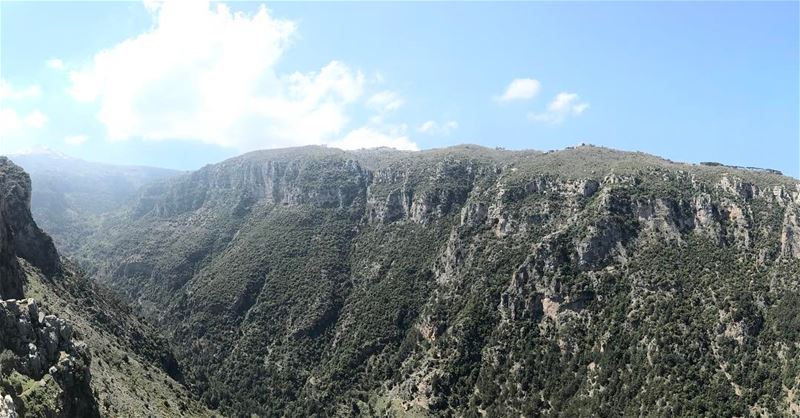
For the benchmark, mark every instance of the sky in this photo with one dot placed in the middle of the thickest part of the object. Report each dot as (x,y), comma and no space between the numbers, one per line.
(181,84)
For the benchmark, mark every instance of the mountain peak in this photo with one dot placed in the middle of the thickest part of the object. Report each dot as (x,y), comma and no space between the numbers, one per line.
(40,150)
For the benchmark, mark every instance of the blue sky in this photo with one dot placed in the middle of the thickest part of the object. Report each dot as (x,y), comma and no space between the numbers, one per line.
(185,84)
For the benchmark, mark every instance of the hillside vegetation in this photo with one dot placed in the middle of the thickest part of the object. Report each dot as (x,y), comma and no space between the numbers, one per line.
(468,282)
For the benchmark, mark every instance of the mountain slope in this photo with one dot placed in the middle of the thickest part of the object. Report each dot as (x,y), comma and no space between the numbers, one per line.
(69,348)
(469,281)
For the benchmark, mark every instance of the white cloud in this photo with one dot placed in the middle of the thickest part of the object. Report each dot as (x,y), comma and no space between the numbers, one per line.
(55,64)
(561,107)
(9,121)
(385,101)
(432,127)
(372,137)
(428,126)
(76,139)
(520,89)
(152,6)
(12,123)
(208,74)
(35,119)
(8,92)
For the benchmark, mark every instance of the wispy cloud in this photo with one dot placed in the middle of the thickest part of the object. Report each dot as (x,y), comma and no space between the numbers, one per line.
(55,64)
(9,121)
(433,127)
(35,119)
(13,123)
(76,139)
(385,101)
(371,137)
(564,105)
(9,92)
(520,89)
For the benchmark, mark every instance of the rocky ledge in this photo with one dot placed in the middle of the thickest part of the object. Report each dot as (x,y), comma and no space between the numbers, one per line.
(45,372)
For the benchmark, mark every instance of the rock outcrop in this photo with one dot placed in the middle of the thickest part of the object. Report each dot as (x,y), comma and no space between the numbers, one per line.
(790,235)
(48,370)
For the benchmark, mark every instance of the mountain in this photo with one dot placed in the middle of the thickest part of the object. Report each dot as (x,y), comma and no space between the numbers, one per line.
(69,194)
(69,348)
(468,282)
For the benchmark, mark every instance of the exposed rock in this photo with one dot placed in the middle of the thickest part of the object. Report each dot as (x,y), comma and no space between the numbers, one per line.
(474,214)
(707,217)
(536,279)
(7,408)
(608,235)
(590,187)
(790,235)
(664,218)
(738,187)
(45,350)
(550,308)
(11,276)
(395,207)
(738,222)
(30,242)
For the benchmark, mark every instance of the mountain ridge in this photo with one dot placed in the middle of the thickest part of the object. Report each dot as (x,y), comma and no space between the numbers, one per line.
(389,283)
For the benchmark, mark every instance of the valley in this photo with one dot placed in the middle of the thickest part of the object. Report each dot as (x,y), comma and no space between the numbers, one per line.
(463,281)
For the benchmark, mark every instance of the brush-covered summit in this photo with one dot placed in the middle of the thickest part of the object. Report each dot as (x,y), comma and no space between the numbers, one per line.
(469,282)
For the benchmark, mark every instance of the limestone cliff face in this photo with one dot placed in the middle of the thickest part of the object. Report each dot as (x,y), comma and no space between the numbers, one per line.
(467,282)
(421,193)
(246,180)
(19,231)
(11,276)
(790,235)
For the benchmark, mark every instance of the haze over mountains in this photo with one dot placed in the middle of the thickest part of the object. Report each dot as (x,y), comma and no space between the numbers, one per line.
(464,281)
(70,193)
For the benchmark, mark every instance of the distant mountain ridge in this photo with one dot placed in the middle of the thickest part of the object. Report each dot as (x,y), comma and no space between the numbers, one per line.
(69,193)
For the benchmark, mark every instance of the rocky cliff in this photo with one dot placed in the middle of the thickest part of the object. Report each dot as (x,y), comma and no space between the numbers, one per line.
(62,338)
(19,235)
(45,372)
(469,282)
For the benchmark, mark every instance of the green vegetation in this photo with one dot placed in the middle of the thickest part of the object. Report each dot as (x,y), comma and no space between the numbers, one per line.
(467,282)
